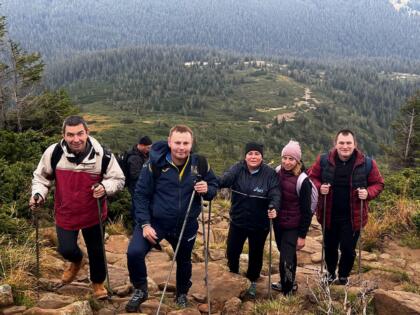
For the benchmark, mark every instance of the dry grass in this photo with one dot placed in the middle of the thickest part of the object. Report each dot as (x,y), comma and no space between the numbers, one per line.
(17,268)
(17,264)
(390,220)
(289,305)
(116,227)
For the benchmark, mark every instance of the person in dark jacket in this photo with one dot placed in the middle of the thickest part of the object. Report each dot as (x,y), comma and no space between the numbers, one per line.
(137,157)
(344,182)
(294,217)
(161,199)
(255,198)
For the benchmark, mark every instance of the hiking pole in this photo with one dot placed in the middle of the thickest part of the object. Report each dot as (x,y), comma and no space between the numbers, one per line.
(323,234)
(35,216)
(206,241)
(101,227)
(360,237)
(205,248)
(176,249)
(207,259)
(270,253)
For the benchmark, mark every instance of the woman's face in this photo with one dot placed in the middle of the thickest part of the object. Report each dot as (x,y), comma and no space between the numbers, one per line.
(253,160)
(288,162)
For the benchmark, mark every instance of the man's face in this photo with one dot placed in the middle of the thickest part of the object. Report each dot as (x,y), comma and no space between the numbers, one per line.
(253,159)
(145,149)
(180,144)
(345,146)
(76,137)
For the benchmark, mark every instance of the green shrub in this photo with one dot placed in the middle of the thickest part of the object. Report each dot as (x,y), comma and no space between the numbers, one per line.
(416,221)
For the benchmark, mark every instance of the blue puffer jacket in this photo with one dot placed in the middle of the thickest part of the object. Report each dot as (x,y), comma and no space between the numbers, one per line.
(164,199)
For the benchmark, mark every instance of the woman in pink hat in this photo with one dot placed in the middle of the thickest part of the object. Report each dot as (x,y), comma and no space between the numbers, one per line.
(293,219)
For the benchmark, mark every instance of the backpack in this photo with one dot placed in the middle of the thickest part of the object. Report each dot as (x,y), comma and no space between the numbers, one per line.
(58,152)
(201,168)
(122,160)
(314,190)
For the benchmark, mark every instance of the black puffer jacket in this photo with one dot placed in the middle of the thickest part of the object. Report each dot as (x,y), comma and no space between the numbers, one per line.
(135,163)
(251,195)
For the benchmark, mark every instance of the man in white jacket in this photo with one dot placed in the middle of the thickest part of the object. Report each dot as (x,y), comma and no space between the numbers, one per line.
(83,172)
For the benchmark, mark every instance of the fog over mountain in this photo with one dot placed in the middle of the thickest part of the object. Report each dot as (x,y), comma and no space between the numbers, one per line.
(302,28)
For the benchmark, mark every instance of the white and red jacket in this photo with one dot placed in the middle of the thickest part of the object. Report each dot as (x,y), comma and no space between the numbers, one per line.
(75,207)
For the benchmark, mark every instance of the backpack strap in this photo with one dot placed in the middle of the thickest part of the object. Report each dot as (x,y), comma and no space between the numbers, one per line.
(58,152)
(324,160)
(368,165)
(299,182)
(106,158)
(55,157)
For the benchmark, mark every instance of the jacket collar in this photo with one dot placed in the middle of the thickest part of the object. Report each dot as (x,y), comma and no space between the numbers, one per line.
(360,157)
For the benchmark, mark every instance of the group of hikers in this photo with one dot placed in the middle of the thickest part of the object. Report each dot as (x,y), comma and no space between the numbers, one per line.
(168,182)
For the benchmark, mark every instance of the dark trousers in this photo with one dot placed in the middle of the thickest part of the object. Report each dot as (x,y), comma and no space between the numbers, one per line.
(68,248)
(340,235)
(139,247)
(286,240)
(235,243)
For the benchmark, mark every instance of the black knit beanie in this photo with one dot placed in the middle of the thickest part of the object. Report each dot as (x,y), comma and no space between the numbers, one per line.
(145,140)
(253,146)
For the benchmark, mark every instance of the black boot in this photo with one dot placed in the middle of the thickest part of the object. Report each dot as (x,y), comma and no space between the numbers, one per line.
(138,297)
(182,300)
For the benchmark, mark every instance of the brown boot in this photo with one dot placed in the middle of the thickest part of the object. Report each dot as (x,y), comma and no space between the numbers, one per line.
(71,272)
(99,291)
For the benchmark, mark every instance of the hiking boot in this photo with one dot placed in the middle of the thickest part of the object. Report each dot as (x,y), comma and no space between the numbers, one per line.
(277,286)
(71,272)
(342,280)
(328,278)
(99,291)
(138,297)
(182,300)
(252,291)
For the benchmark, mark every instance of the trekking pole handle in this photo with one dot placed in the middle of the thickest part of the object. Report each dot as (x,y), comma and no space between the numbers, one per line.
(37,198)
(198,178)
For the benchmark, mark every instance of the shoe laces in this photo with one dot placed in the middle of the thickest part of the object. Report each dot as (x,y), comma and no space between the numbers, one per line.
(182,299)
(138,294)
(252,288)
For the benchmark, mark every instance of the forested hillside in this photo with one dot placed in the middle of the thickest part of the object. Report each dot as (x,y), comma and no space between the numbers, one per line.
(311,28)
(230,99)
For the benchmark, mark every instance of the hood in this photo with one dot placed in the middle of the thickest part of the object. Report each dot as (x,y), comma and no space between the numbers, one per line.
(158,152)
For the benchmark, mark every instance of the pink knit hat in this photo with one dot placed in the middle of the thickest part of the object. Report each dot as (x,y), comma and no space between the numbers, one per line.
(292,149)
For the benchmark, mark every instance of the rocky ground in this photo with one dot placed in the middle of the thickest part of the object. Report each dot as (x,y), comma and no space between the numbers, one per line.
(387,278)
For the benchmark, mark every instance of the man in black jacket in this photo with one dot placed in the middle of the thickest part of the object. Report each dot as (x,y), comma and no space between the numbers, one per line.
(137,157)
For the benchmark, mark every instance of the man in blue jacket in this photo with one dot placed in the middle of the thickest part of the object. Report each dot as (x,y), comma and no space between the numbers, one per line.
(160,201)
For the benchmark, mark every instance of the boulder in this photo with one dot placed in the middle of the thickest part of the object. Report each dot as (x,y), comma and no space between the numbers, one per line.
(311,246)
(117,244)
(54,301)
(6,296)
(247,308)
(232,306)
(151,306)
(12,310)
(79,308)
(316,258)
(75,289)
(186,311)
(396,302)
(223,284)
